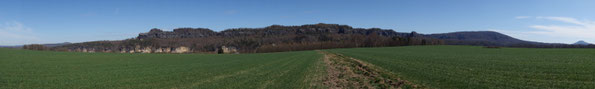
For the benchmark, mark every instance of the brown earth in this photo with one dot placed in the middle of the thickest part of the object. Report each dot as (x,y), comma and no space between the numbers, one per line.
(349,73)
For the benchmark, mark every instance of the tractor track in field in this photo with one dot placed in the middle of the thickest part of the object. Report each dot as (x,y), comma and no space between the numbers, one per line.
(346,72)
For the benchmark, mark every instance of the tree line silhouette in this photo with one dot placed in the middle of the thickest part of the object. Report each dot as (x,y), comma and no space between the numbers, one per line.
(275,38)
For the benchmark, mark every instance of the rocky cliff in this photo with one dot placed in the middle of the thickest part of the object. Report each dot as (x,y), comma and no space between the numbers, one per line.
(274,30)
(178,33)
(278,38)
(273,38)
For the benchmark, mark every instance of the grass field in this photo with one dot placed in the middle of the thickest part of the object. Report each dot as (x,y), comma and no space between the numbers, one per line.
(477,67)
(426,66)
(39,69)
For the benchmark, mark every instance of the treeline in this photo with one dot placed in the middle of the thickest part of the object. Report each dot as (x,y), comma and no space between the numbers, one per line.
(274,38)
(277,38)
(35,47)
(351,41)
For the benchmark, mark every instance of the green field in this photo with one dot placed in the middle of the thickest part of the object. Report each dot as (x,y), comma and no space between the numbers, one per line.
(39,69)
(428,66)
(480,68)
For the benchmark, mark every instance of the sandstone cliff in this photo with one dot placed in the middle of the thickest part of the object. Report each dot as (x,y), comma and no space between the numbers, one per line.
(273,38)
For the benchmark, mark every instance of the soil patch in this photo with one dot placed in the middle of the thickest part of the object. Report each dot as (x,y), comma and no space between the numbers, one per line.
(346,72)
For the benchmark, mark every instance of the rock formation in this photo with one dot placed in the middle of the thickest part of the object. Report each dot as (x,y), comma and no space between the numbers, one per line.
(181,50)
(178,33)
(229,50)
(251,40)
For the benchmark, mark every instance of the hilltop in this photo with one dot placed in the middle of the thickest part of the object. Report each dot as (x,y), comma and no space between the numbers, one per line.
(278,38)
(582,43)
(483,38)
(275,38)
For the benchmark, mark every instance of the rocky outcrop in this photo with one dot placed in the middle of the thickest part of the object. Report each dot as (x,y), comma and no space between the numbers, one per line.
(181,50)
(273,30)
(138,49)
(275,38)
(178,33)
(163,50)
(229,50)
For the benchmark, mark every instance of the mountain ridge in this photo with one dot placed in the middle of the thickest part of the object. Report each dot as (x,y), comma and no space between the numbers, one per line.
(46,45)
(274,38)
(480,38)
(277,38)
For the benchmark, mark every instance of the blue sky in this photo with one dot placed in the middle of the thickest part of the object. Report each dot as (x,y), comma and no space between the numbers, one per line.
(55,21)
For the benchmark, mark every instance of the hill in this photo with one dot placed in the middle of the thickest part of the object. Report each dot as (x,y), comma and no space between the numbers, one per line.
(491,38)
(479,38)
(15,46)
(275,38)
(582,43)
(278,38)
(46,45)
(56,44)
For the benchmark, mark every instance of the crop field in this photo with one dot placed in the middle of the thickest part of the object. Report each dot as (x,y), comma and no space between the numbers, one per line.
(480,68)
(386,67)
(58,70)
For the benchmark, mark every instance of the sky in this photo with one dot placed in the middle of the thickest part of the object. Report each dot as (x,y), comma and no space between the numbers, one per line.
(57,21)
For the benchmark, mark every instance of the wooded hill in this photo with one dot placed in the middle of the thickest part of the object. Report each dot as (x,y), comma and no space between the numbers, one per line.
(275,38)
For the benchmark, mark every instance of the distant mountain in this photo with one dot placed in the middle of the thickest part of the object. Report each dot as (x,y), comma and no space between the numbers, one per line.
(56,44)
(14,46)
(581,43)
(46,45)
(274,38)
(481,38)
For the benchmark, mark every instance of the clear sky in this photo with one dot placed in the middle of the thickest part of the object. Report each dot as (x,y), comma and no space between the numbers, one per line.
(56,21)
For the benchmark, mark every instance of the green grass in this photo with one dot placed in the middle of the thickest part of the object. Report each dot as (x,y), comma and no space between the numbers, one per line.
(42,69)
(430,66)
(477,67)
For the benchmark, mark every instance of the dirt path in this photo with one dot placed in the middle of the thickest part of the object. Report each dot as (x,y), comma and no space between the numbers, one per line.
(347,73)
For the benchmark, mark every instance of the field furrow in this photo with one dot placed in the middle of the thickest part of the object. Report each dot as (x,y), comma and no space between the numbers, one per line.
(21,69)
(386,67)
(478,67)
(346,72)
